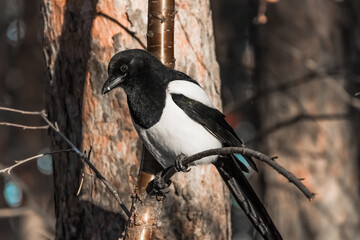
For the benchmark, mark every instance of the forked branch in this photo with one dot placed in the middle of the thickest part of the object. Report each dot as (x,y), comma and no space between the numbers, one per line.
(80,154)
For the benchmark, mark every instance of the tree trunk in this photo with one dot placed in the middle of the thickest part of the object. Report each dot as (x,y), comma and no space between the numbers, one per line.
(79,39)
(304,47)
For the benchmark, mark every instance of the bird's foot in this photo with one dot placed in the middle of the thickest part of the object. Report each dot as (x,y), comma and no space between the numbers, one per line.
(161,187)
(179,166)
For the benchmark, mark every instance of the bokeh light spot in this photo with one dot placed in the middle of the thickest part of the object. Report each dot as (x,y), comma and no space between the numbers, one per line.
(13,194)
(44,163)
(15,32)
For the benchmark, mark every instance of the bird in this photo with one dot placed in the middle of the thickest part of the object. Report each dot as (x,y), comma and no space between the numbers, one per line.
(173,116)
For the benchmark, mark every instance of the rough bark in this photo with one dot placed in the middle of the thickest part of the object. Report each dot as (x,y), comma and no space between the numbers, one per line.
(78,45)
(304,46)
(79,39)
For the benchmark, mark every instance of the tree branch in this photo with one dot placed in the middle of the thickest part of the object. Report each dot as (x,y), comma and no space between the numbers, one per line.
(24,127)
(169,172)
(31,199)
(84,158)
(19,111)
(20,162)
(80,154)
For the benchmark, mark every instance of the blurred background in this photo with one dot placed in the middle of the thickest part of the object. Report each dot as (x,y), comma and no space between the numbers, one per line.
(290,77)
(26,196)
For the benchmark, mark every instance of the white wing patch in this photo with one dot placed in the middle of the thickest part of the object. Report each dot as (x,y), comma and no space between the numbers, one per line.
(190,90)
(176,132)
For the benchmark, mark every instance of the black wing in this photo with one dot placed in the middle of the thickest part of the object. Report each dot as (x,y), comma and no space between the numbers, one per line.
(213,120)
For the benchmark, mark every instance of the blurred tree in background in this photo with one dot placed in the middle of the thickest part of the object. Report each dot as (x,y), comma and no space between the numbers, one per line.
(300,93)
(305,56)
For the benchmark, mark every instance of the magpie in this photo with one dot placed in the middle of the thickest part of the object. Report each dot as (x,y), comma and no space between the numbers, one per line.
(173,115)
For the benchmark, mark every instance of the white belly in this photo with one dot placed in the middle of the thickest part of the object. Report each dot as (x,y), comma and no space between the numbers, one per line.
(177,133)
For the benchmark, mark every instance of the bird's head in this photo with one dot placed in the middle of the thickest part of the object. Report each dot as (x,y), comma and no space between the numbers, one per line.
(128,68)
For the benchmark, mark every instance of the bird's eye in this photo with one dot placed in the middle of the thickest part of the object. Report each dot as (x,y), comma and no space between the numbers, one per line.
(124,68)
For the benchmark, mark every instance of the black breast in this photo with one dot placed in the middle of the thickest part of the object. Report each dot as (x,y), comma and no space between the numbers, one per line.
(146,99)
(146,106)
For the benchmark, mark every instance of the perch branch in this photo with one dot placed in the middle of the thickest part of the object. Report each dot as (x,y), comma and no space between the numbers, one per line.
(169,172)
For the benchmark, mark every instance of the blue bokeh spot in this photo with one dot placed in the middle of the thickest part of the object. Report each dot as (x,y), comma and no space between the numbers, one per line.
(13,194)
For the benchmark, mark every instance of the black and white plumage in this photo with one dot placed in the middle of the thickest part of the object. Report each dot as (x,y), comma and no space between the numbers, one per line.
(173,115)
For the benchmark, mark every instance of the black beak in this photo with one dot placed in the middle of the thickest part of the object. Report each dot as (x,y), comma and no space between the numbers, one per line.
(111,83)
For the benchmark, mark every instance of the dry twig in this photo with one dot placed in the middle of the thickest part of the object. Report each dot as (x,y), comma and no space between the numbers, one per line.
(32,203)
(19,111)
(24,127)
(80,154)
(20,162)
(85,159)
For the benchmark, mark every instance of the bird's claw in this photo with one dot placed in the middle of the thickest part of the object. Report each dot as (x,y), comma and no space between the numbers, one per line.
(160,187)
(179,166)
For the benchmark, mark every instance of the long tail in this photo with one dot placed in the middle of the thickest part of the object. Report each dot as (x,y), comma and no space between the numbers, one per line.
(247,199)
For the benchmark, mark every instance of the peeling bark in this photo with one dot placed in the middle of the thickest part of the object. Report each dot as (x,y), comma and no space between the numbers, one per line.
(79,39)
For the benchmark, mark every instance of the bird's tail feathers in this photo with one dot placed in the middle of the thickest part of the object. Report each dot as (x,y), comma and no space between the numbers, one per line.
(232,174)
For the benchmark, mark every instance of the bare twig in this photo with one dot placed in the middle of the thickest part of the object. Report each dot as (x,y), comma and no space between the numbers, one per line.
(24,127)
(105,182)
(19,111)
(56,129)
(81,155)
(81,183)
(168,173)
(20,162)
(31,199)
(84,158)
